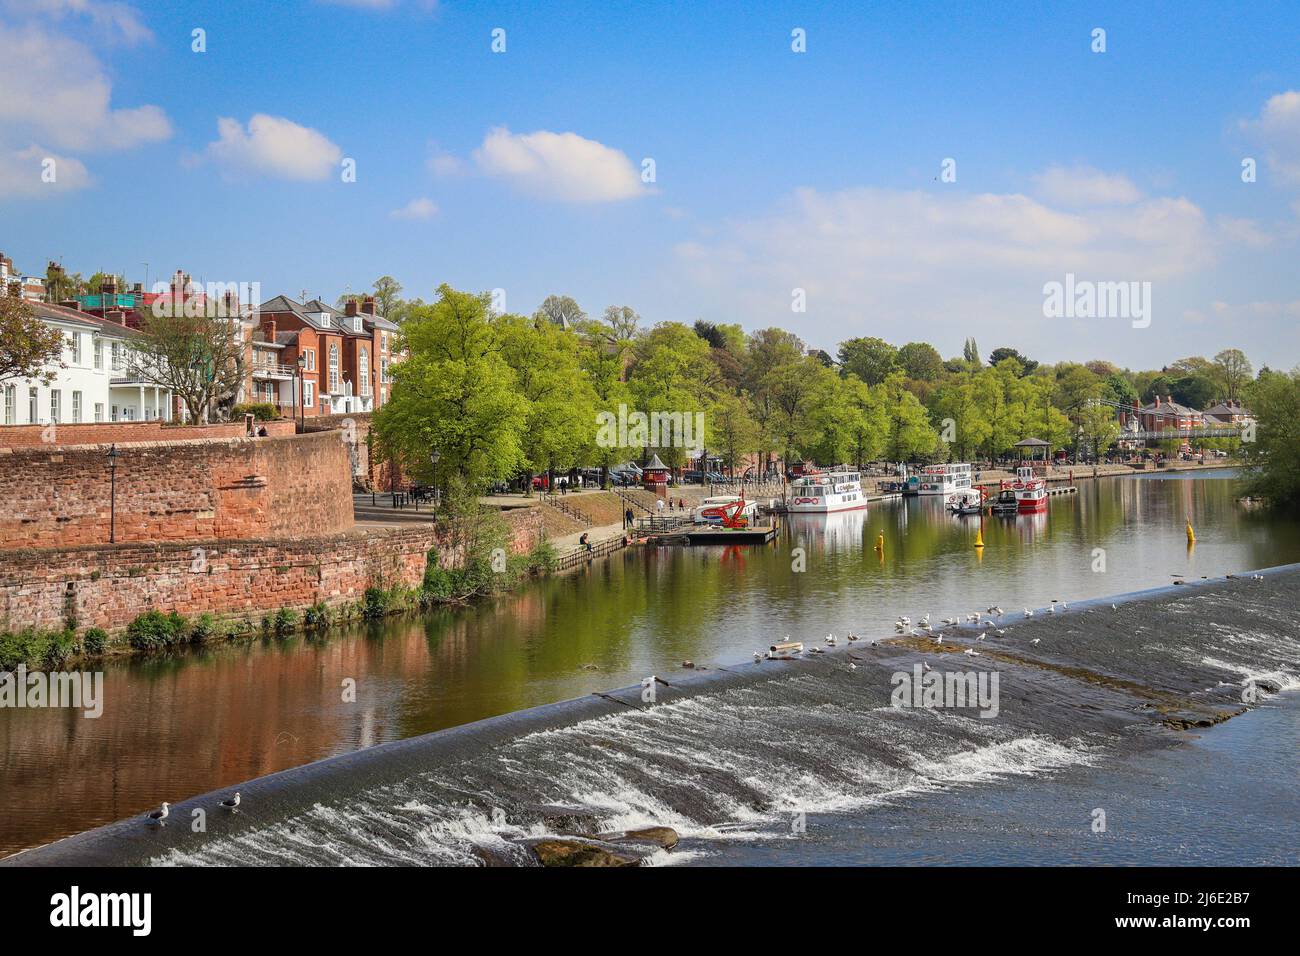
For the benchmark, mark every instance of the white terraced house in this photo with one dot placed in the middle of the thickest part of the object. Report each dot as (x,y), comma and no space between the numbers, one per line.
(97,384)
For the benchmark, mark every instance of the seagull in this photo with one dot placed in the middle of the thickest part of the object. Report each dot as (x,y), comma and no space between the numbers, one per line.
(999,631)
(981,637)
(950,621)
(1052,609)
(904,621)
(1035,640)
(232,803)
(853,666)
(830,639)
(925,667)
(1064,606)
(815,650)
(158,816)
(939,639)
(1028,613)
(1114,607)
(874,644)
(971,652)
(852,636)
(757,657)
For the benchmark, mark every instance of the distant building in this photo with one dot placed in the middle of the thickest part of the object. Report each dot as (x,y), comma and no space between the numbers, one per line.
(31,288)
(97,383)
(347,357)
(1230,412)
(1164,413)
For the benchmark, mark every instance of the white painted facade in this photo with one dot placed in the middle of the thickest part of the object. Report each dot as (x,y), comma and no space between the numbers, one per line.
(95,386)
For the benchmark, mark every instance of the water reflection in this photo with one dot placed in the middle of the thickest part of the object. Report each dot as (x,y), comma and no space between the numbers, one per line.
(200,720)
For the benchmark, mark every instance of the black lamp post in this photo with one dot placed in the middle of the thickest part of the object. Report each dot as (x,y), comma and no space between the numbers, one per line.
(112,494)
(434,457)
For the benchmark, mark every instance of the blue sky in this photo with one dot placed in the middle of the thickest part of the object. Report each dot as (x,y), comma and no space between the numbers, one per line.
(774,170)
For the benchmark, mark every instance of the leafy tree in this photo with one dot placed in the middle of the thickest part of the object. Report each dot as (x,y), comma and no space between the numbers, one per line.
(1194,391)
(198,353)
(997,356)
(1234,372)
(920,361)
(1273,458)
(971,353)
(732,431)
(560,310)
(911,436)
(454,394)
(29,348)
(1117,388)
(870,359)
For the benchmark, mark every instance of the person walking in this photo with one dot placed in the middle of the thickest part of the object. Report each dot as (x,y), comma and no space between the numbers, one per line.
(628,518)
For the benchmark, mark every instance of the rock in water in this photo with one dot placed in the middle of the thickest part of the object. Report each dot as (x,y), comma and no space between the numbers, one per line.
(552,852)
(663,837)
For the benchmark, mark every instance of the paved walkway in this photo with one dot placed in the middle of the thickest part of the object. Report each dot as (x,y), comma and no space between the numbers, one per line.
(597,534)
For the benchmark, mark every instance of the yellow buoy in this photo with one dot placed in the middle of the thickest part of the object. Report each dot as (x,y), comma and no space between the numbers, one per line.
(1191,535)
(979,538)
(880,542)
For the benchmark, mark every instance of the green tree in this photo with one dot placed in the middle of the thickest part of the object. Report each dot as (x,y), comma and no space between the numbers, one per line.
(1273,458)
(997,356)
(870,359)
(920,361)
(29,348)
(1234,372)
(454,394)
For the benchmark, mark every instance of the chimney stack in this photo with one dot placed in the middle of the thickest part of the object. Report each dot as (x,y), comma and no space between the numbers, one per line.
(116,316)
(268,330)
(350,308)
(368,305)
(72,304)
(108,285)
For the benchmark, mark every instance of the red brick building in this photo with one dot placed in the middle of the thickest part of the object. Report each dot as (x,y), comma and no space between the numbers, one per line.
(345,356)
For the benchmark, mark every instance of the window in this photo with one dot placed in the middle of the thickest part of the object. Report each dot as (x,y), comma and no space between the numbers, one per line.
(383,341)
(383,370)
(76,406)
(11,403)
(99,411)
(98,347)
(311,359)
(33,415)
(117,356)
(364,364)
(74,347)
(308,394)
(115,413)
(334,369)
(56,399)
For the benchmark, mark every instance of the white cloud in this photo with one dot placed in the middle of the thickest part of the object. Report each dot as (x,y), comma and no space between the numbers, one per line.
(421,208)
(1278,130)
(274,146)
(118,21)
(558,166)
(1246,232)
(1082,186)
(936,265)
(443,163)
(23,173)
(55,90)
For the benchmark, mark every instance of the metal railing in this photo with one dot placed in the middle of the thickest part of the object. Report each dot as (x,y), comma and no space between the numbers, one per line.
(273,368)
(552,499)
(582,555)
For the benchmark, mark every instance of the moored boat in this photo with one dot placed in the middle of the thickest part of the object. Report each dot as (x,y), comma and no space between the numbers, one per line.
(826,492)
(1030,491)
(945,479)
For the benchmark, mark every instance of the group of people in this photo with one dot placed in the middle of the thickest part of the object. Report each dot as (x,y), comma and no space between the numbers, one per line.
(659,505)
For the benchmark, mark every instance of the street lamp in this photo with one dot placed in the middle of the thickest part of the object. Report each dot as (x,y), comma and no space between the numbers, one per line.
(112,494)
(434,457)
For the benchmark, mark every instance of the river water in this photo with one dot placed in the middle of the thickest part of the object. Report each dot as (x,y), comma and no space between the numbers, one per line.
(207,718)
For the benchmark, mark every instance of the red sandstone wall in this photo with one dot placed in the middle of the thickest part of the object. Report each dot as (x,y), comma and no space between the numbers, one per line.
(95,433)
(236,489)
(109,587)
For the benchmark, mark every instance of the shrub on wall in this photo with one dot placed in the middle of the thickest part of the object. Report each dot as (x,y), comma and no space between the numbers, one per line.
(153,630)
(95,640)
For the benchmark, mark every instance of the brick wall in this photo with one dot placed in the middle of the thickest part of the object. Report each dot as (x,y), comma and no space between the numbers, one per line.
(234,489)
(104,433)
(109,587)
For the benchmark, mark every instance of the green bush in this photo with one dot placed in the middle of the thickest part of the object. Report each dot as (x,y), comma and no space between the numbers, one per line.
(375,604)
(316,617)
(206,626)
(153,630)
(261,411)
(59,649)
(286,621)
(95,640)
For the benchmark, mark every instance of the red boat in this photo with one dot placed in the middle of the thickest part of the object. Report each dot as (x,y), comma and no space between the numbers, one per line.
(1031,491)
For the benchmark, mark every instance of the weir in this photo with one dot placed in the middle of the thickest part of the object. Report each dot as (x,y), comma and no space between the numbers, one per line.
(742,748)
